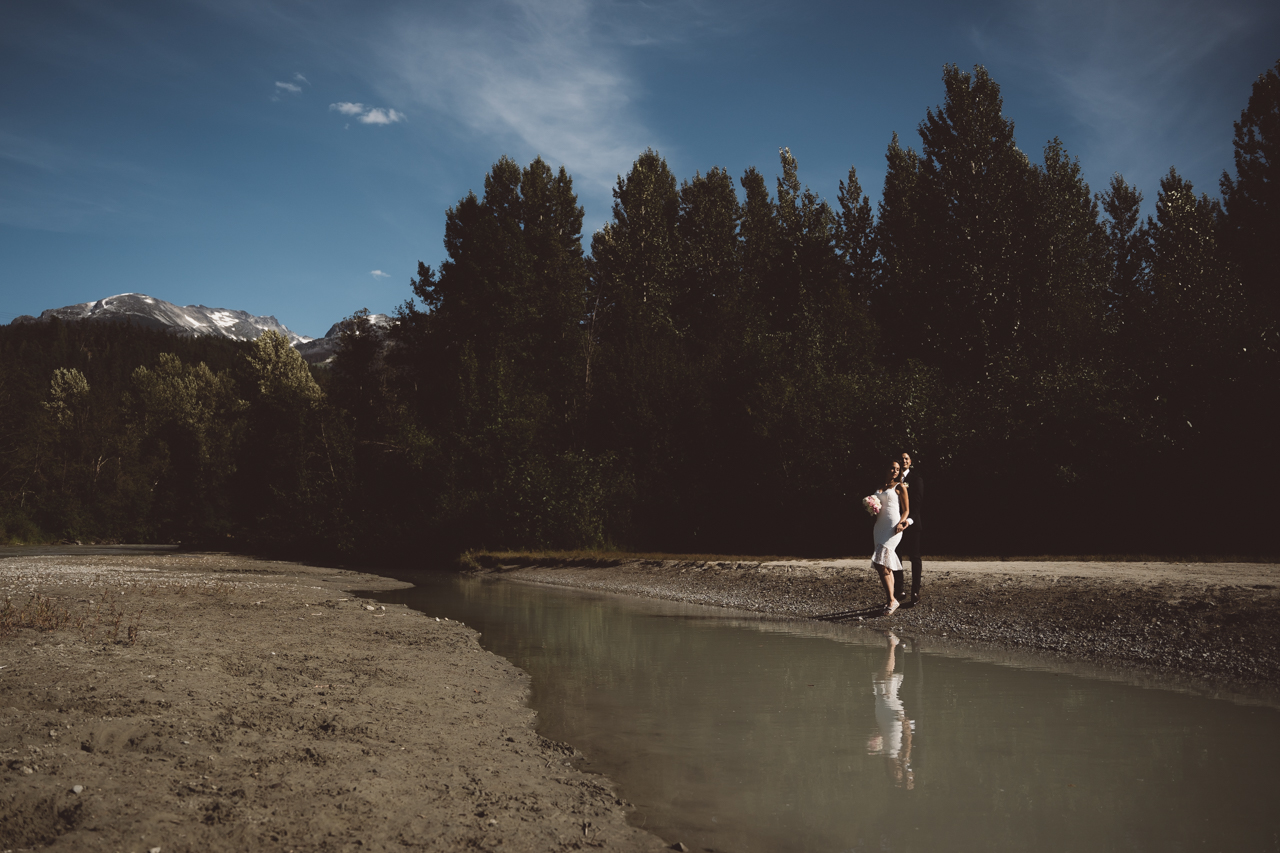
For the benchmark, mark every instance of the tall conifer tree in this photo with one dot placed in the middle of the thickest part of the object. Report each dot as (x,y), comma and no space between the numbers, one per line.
(975,203)
(1252,200)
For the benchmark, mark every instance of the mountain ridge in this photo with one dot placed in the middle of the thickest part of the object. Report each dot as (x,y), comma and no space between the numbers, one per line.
(194,320)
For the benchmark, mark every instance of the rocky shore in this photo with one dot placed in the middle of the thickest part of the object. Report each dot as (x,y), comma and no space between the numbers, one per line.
(1210,627)
(203,702)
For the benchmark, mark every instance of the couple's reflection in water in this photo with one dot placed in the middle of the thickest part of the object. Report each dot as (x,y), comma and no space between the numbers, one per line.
(894,732)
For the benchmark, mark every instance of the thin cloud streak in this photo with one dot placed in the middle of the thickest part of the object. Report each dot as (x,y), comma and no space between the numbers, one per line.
(1124,71)
(288,87)
(545,80)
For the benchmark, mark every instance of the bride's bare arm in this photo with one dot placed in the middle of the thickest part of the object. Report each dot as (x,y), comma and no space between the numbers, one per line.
(906,507)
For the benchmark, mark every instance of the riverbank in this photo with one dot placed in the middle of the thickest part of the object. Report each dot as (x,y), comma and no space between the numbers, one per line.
(1210,627)
(206,702)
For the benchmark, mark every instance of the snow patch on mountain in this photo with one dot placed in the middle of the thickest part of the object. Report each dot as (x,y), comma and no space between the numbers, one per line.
(190,320)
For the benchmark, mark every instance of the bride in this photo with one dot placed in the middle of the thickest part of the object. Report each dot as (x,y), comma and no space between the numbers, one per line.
(895,506)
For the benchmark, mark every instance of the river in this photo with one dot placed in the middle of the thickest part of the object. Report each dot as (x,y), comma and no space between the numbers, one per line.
(735,732)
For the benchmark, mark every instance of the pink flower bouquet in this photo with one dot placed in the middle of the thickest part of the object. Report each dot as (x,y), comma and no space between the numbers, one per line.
(871,504)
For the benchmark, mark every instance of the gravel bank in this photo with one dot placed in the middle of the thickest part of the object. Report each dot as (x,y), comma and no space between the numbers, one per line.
(1211,627)
(201,702)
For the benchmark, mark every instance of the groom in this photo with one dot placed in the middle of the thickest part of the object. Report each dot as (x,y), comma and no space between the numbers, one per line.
(910,545)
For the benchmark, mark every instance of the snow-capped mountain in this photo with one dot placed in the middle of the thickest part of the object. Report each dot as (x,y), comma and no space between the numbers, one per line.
(183,320)
(320,350)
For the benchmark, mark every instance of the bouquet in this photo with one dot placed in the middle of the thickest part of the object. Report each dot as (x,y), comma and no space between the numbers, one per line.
(871,504)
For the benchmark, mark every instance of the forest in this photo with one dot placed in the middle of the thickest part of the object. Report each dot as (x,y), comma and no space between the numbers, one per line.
(726,368)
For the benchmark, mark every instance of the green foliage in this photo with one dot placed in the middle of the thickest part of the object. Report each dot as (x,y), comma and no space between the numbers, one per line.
(281,377)
(74,463)
(68,399)
(189,423)
(724,373)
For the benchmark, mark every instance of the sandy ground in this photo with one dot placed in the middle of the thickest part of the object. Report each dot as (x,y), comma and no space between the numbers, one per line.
(1210,627)
(212,703)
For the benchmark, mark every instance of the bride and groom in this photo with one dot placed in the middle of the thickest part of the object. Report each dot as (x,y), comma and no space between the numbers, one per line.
(898,523)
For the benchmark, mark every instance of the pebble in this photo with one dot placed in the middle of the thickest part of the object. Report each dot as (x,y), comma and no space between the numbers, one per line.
(76,789)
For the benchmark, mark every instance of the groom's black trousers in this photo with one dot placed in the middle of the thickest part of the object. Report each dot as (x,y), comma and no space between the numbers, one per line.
(910,547)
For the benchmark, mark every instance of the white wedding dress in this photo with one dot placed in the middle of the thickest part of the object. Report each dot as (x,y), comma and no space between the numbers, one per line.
(884,537)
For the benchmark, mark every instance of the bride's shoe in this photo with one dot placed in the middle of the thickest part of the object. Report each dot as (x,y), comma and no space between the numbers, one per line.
(890,608)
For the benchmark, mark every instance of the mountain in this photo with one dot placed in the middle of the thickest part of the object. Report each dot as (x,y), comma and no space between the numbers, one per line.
(182,320)
(194,320)
(321,350)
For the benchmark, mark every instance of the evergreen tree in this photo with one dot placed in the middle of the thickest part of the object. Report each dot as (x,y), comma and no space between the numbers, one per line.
(1192,291)
(1126,243)
(635,276)
(855,238)
(975,187)
(552,232)
(903,257)
(494,364)
(812,301)
(1251,229)
(760,240)
(1250,234)
(1066,300)
(359,383)
(635,258)
(709,300)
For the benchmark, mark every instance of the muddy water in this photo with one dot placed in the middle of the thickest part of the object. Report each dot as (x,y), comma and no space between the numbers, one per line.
(735,733)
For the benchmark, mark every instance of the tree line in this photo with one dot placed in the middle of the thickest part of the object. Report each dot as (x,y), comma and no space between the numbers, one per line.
(726,370)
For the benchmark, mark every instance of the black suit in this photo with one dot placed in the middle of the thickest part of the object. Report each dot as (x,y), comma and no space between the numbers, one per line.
(911,538)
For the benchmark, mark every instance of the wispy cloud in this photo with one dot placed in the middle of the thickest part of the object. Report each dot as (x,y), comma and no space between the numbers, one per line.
(1127,72)
(368,115)
(538,73)
(286,88)
(379,274)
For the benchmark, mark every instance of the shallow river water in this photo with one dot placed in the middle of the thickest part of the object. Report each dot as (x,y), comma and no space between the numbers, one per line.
(731,732)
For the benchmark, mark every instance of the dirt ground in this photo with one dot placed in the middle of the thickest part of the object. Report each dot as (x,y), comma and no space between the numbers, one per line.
(197,702)
(1210,627)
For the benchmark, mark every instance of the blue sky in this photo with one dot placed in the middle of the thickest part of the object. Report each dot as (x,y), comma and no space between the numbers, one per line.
(297,158)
